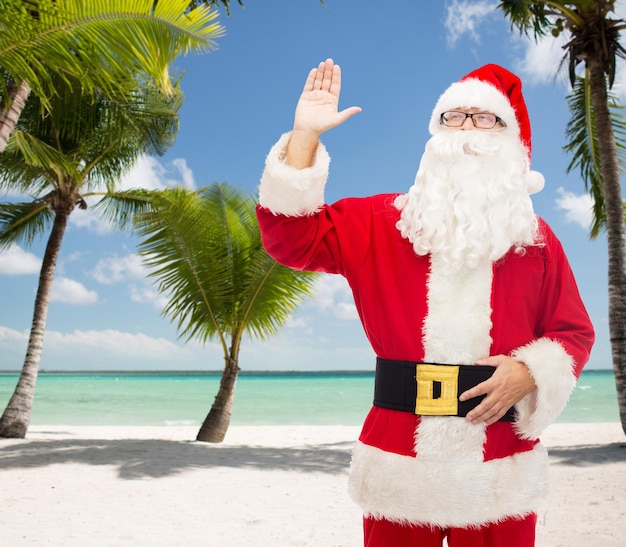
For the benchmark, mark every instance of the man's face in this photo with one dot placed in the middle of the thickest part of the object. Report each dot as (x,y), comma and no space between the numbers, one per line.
(469,201)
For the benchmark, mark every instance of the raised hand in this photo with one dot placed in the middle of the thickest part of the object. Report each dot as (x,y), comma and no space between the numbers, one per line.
(317,111)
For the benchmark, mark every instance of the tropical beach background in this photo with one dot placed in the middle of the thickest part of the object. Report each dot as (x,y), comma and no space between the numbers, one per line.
(105,314)
(109,458)
(271,398)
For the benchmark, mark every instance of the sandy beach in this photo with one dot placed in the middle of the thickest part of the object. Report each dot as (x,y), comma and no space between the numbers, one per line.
(264,486)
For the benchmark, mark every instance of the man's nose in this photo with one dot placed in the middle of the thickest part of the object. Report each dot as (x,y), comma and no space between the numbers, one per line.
(468,123)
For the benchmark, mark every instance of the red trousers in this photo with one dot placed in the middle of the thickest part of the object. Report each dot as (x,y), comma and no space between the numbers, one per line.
(509,533)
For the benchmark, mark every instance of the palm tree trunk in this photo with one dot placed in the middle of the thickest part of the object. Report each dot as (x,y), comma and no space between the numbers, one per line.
(10,111)
(216,423)
(16,417)
(616,240)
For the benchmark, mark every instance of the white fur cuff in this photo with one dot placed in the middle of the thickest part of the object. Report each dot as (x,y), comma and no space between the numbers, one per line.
(552,370)
(289,191)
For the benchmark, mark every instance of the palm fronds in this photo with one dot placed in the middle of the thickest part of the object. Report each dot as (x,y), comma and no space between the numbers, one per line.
(120,207)
(205,251)
(113,45)
(86,142)
(582,145)
(23,222)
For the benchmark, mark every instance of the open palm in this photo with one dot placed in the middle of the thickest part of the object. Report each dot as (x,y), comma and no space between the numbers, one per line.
(318,107)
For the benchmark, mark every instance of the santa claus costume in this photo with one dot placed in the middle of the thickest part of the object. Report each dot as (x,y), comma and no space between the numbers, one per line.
(457,269)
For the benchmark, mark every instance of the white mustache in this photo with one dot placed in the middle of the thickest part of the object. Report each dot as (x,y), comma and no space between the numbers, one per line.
(461,143)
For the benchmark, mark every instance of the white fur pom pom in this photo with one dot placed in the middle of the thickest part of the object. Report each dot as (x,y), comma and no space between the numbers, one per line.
(534,182)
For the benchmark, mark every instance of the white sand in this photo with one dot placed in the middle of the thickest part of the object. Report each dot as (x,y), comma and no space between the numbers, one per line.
(264,486)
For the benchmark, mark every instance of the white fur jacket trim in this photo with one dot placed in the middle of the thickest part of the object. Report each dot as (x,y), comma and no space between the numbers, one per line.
(429,490)
(289,191)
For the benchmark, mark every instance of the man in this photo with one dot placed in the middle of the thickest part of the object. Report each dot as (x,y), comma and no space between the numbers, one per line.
(457,271)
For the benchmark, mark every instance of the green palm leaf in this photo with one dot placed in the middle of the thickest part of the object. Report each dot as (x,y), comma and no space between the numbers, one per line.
(120,207)
(37,154)
(582,145)
(23,222)
(205,252)
(275,292)
(113,45)
(86,142)
(170,251)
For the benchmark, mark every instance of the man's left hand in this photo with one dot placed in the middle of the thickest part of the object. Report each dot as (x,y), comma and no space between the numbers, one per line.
(510,383)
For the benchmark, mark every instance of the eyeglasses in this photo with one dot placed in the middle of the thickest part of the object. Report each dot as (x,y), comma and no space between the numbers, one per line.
(481,120)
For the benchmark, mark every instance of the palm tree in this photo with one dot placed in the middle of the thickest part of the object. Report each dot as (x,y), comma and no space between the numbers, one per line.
(114,46)
(80,149)
(204,249)
(594,42)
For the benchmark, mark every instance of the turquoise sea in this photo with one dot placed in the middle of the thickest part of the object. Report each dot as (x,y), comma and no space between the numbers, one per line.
(272,398)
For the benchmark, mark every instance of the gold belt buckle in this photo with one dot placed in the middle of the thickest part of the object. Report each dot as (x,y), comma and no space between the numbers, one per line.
(447,403)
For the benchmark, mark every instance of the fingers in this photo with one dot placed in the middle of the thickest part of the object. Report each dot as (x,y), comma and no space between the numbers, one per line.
(317,109)
(308,85)
(319,77)
(326,77)
(484,387)
(508,385)
(491,408)
(482,412)
(489,411)
(348,113)
(315,78)
(334,80)
(329,72)
(476,391)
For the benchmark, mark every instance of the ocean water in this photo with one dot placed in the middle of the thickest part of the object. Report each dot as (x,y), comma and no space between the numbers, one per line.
(315,398)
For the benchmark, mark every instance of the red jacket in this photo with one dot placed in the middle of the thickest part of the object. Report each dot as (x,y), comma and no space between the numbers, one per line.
(444,470)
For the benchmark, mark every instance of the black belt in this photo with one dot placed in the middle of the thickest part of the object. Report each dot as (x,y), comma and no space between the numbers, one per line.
(430,389)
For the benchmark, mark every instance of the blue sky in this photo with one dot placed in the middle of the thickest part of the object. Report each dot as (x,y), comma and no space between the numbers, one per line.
(397,58)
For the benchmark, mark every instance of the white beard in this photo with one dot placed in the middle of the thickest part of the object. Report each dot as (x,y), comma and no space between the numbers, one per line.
(469,201)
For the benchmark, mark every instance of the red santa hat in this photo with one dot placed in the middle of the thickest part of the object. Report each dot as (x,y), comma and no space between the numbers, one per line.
(493,89)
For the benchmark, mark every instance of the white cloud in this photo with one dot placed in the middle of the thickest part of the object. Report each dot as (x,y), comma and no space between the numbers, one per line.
(87,219)
(114,342)
(130,269)
(115,269)
(68,291)
(286,352)
(542,60)
(151,174)
(185,172)
(464,17)
(148,295)
(16,261)
(346,311)
(296,323)
(112,349)
(12,335)
(333,295)
(106,346)
(578,208)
